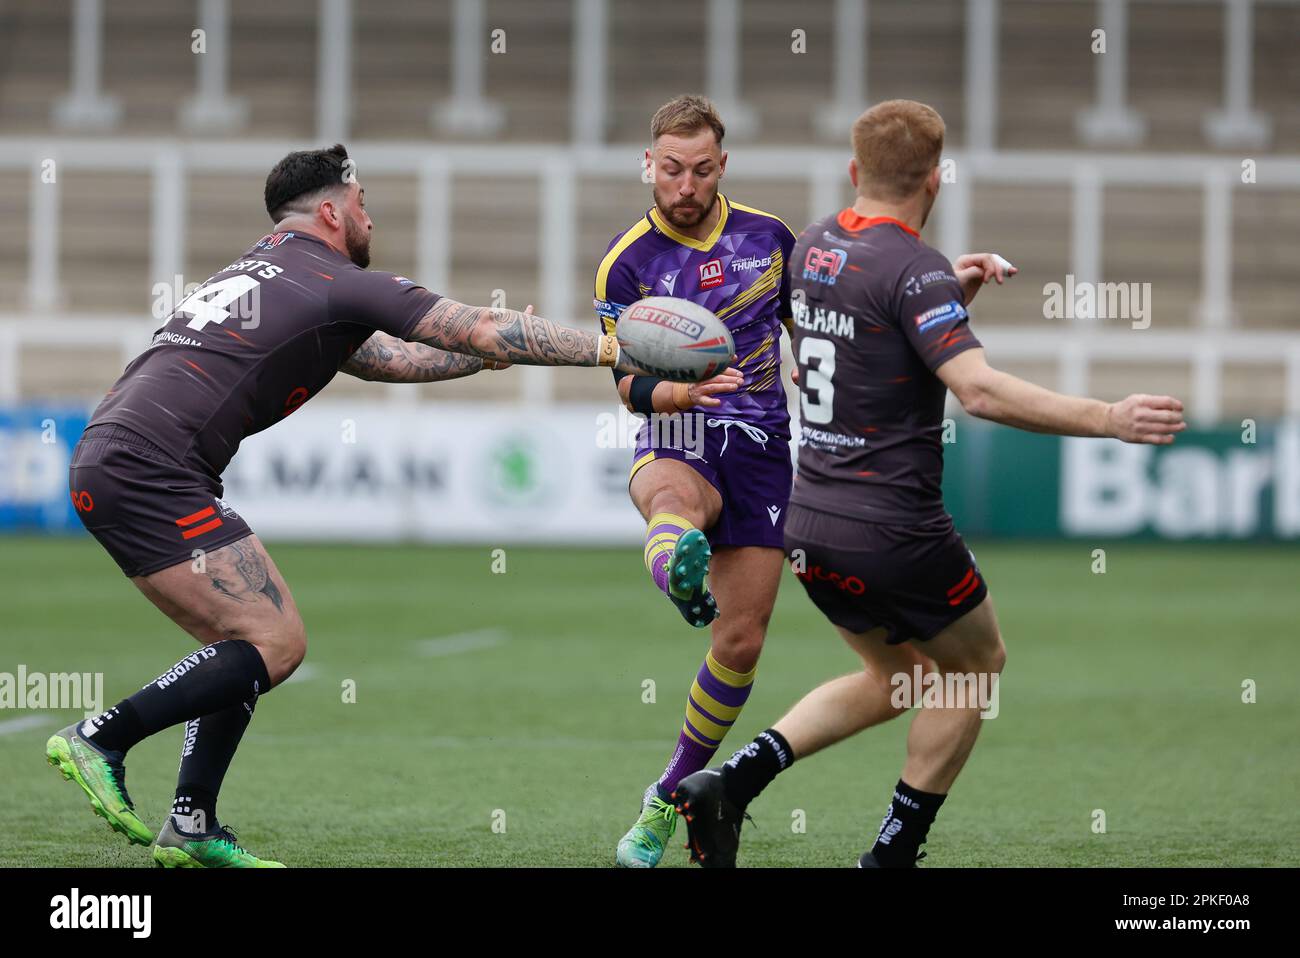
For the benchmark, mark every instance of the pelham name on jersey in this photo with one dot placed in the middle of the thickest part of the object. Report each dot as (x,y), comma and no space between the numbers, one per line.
(819,319)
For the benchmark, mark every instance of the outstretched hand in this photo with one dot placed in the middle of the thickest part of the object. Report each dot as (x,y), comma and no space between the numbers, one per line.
(1145,419)
(973,270)
(704,392)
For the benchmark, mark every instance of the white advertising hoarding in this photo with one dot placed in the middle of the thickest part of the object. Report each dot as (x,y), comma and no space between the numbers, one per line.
(449,472)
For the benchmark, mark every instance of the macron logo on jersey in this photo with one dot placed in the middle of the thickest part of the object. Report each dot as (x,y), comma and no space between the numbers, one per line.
(949,312)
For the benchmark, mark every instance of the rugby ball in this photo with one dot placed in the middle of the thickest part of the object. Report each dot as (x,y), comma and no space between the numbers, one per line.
(675,339)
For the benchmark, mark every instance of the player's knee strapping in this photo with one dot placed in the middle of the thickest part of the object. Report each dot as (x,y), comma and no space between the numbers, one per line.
(661,535)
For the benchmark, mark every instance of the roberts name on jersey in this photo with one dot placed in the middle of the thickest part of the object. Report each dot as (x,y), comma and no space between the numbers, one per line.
(254,343)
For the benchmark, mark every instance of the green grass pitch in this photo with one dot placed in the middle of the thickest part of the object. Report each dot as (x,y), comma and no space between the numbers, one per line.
(1123,692)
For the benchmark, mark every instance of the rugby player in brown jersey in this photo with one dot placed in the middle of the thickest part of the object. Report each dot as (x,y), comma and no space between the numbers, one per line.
(881,335)
(249,347)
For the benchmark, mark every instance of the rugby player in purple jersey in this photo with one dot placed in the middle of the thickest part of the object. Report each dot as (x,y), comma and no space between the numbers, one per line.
(881,334)
(257,340)
(711,471)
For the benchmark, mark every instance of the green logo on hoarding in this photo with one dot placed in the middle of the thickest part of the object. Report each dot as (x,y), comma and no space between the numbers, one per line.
(521,473)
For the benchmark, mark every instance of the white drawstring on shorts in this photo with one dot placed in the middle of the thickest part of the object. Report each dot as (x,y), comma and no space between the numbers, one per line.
(750,430)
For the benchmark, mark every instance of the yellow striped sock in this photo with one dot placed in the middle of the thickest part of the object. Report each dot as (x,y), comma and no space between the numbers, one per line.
(662,532)
(717,696)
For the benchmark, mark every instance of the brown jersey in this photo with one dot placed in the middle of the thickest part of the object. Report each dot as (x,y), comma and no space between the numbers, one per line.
(252,344)
(876,313)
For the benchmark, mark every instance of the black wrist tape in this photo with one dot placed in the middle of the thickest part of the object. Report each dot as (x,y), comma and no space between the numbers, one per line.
(641,395)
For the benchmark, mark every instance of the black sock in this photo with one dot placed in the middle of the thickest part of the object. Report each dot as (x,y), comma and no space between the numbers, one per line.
(751,768)
(208,746)
(119,724)
(194,809)
(907,821)
(216,676)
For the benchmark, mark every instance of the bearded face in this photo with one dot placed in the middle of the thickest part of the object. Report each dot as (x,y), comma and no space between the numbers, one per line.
(357,239)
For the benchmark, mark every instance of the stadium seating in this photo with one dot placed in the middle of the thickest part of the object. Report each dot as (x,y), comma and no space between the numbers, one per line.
(400,71)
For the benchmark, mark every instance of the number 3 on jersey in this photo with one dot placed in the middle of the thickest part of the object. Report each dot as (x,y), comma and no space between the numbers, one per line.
(817,380)
(208,303)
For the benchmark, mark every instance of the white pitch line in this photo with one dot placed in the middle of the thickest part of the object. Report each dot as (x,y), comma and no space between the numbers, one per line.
(14,726)
(462,642)
(304,673)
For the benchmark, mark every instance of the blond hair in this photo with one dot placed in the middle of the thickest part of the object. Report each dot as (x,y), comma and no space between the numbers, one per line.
(896,144)
(684,115)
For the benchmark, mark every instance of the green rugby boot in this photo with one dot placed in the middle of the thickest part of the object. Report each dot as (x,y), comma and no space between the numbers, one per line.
(213,849)
(687,570)
(644,843)
(102,777)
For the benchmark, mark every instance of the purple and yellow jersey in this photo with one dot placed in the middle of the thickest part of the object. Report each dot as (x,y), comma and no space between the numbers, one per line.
(738,272)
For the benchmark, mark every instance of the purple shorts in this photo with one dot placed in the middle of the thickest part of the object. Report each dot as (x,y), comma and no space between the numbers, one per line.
(750,468)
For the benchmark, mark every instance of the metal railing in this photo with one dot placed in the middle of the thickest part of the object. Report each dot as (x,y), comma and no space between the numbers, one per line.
(557,170)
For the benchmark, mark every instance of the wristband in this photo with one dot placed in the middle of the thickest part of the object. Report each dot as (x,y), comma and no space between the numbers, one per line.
(682,396)
(607,353)
(640,397)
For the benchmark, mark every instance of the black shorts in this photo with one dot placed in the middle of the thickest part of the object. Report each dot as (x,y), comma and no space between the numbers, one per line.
(913,580)
(145,508)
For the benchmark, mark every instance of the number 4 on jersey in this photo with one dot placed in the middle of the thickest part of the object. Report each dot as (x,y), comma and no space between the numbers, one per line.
(208,303)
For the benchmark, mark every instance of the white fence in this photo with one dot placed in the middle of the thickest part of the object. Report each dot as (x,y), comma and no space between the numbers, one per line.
(558,170)
(89,107)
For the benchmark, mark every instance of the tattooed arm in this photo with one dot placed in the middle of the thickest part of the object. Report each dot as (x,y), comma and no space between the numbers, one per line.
(387,359)
(509,336)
